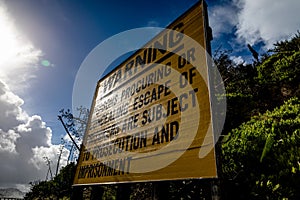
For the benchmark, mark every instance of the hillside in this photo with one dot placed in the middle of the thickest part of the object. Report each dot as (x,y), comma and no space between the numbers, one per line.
(11,193)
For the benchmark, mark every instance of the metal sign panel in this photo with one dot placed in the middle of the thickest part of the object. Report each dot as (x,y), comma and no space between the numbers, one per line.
(151,116)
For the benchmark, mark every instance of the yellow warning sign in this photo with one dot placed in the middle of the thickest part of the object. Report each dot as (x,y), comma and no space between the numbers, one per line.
(151,116)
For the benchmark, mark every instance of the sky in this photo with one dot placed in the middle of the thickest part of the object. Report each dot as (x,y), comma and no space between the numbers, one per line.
(44,42)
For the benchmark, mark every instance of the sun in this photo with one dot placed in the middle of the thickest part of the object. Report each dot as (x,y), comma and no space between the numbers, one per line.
(9,44)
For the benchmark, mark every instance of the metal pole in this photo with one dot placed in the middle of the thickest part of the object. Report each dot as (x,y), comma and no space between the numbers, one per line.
(59,157)
(49,167)
(60,119)
(70,153)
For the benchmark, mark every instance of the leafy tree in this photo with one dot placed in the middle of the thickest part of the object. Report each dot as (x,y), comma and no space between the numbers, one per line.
(288,46)
(279,77)
(261,153)
(240,86)
(64,180)
(256,88)
(40,190)
(262,156)
(59,187)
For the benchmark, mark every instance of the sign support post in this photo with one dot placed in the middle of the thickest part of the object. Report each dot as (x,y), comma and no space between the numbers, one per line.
(97,192)
(123,191)
(77,193)
(161,190)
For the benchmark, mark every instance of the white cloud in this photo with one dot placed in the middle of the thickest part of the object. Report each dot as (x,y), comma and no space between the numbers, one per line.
(267,20)
(8,140)
(24,141)
(238,60)
(11,112)
(39,153)
(223,18)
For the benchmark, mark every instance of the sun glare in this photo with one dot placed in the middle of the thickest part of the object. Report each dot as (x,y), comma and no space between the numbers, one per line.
(8,39)
(15,50)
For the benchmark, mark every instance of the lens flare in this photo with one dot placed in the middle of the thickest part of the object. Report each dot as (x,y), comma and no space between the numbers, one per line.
(45,63)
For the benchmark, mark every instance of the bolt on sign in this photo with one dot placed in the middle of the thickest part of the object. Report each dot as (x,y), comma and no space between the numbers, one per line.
(151,116)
